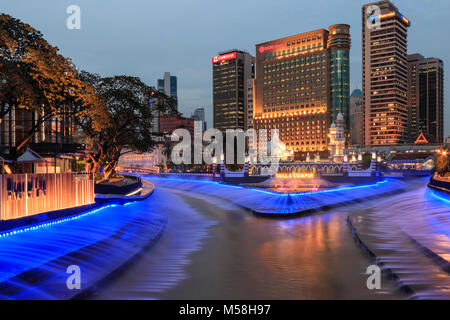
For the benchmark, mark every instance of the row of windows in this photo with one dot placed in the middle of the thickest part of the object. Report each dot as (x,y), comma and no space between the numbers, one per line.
(292,100)
(293,51)
(310,84)
(295,62)
(303,40)
(292,108)
(304,72)
(283,100)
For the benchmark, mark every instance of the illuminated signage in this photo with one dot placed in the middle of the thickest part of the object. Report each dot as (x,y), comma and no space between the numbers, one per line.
(224,57)
(387,15)
(274,46)
(390,15)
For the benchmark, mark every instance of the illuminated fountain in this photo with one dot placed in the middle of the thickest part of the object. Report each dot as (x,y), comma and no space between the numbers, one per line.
(265,201)
(295,182)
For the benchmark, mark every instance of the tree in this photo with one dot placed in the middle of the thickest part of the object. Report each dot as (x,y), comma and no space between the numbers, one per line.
(122,123)
(366,160)
(443,161)
(36,77)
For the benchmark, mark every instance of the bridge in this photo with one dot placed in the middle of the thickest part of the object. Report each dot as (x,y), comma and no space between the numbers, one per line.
(309,167)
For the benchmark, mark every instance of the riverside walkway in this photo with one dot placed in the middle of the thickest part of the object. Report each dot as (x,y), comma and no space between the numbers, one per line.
(34,259)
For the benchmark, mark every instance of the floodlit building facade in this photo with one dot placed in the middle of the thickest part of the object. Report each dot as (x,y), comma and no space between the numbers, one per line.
(302,84)
(384,74)
(231,71)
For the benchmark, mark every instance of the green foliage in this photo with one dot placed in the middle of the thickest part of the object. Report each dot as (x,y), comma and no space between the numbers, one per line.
(366,159)
(122,122)
(113,113)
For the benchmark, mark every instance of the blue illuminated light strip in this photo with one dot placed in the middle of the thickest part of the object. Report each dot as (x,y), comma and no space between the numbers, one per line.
(216,183)
(342,189)
(51,223)
(274,192)
(442,198)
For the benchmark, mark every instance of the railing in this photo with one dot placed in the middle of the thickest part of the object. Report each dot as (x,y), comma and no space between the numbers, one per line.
(24,195)
(136,169)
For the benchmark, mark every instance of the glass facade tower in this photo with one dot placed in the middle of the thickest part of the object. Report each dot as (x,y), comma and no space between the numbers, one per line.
(339,45)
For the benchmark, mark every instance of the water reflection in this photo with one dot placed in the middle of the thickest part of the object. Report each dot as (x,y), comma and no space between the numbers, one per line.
(245,257)
(312,257)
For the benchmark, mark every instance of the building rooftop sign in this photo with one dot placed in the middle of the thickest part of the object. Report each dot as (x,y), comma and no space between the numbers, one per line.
(224,57)
(271,47)
(390,15)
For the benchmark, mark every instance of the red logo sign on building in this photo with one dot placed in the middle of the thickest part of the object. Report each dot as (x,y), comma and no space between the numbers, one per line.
(274,46)
(224,57)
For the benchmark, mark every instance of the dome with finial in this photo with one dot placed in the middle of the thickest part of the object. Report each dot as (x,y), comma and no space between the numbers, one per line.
(356,93)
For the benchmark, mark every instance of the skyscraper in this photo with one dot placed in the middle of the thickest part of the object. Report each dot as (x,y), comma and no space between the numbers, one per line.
(250,99)
(339,46)
(301,86)
(231,71)
(168,85)
(425,98)
(356,119)
(199,115)
(413,96)
(384,66)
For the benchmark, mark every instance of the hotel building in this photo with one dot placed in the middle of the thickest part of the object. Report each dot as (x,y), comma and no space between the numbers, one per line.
(425,98)
(302,84)
(385,74)
(231,71)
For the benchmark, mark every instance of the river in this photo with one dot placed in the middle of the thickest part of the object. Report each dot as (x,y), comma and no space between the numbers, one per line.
(212,249)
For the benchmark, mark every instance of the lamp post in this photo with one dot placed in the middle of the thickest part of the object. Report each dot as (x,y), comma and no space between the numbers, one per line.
(222,166)
(214,166)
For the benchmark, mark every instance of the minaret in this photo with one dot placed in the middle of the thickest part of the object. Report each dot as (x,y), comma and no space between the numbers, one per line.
(337,139)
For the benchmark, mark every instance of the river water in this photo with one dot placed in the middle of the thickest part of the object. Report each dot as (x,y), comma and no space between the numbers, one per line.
(212,249)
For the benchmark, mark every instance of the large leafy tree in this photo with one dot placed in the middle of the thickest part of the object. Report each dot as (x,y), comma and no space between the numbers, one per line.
(443,161)
(123,122)
(36,77)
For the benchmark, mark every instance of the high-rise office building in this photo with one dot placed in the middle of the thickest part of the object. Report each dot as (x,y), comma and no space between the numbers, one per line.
(199,115)
(356,119)
(250,99)
(425,98)
(231,71)
(413,88)
(301,86)
(339,46)
(168,85)
(385,68)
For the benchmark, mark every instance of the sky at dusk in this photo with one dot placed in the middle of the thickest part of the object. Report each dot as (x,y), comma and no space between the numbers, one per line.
(145,38)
